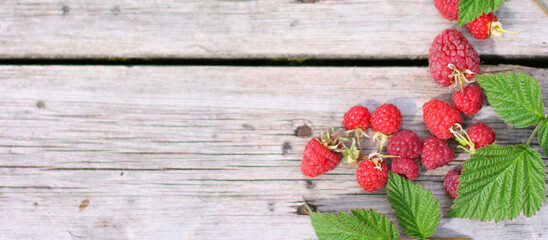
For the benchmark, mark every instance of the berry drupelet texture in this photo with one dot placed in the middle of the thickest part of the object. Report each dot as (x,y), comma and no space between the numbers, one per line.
(357,116)
(370,177)
(448,9)
(451,183)
(439,116)
(435,153)
(481,135)
(406,167)
(386,119)
(317,159)
(405,144)
(452,59)
(481,26)
(469,101)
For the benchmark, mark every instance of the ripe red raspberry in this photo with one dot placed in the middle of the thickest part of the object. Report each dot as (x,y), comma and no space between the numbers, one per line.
(452,59)
(469,101)
(485,26)
(435,153)
(406,167)
(319,157)
(481,135)
(405,144)
(451,183)
(448,9)
(386,119)
(357,116)
(439,116)
(370,177)
(481,26)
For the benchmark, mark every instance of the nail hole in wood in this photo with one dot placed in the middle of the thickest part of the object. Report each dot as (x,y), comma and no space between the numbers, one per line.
(286,148)
(116,10)
(248,126)
(66,10)
(303,131)
(310,184)
(40,104)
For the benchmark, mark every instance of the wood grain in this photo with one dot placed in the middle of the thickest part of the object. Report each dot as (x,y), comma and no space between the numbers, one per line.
(354,29)
(95,152)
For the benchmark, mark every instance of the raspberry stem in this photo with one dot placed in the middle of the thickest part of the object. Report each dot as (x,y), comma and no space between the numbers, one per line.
(377,158)
(543,7)
(537,128)
(357,134)
(497,30)
(459,76)
(463,138)
(383,138)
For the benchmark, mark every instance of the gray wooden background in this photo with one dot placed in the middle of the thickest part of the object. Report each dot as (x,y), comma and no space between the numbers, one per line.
(210,152)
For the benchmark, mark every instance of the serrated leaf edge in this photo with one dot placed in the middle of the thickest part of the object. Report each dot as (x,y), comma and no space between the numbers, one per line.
(411,218)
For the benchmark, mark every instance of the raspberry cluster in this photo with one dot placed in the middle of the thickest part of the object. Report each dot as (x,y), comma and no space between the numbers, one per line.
(404,150)
(453,61)
(323,154)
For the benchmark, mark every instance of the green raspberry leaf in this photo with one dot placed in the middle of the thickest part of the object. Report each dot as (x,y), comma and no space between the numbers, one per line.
(516,98)
(500,182)
(471,9)
(418,211)
(543,136)
(362,225)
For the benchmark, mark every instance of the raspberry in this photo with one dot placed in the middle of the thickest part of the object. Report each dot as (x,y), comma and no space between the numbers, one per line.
(448,9)
(406,167)
(405,144)
(486,25)
(481,26)
(435,153)
(320,156)
(439,116)
(357,116)
(481,135)
(469,101)
(452,59)
(451,183)
(386,119)
(370,177)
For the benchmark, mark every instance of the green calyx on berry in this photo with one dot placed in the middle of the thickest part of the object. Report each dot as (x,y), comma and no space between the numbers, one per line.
(358,132)
(330,141)
(352,154)
(463,138)
(459,76)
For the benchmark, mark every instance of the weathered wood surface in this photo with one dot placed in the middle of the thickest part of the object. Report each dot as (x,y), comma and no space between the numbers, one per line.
(249,29)
(91,152)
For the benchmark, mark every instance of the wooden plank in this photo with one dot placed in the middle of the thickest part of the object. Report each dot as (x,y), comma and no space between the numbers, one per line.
(249,29)
(90,152)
